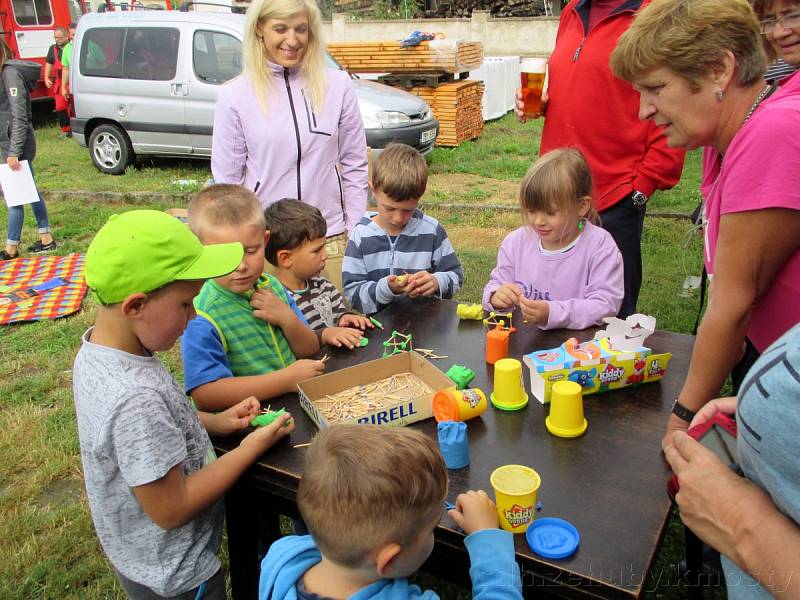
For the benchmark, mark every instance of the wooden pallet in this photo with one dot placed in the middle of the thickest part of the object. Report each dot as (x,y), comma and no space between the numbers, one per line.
(437,56)
(410,80)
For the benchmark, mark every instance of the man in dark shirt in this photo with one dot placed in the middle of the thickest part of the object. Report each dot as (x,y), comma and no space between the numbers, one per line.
(52,78)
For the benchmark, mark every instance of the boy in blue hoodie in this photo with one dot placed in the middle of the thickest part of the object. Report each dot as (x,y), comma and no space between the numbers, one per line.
(372,497)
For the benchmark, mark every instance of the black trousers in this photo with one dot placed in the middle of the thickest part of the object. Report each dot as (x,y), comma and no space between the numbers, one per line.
(625,223)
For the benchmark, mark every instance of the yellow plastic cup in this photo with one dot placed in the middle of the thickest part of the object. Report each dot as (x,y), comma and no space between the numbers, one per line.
(515,488)
(509,391)
(566,410)
(458,405)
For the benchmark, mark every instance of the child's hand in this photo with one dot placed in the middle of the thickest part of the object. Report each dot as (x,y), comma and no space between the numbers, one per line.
(400,284)
(264,438)
(237,417)
(474,511)
(425,284)
(268,307)
(507,295)
(359,321)
(535,311)
(341,336)
(305,368)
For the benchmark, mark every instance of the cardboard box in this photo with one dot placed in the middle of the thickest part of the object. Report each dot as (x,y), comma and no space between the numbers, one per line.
(615,359)
(396,415)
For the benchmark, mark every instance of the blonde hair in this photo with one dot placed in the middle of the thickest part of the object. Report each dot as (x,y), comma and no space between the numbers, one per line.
(224,204)
(367,485)
(558,180)
(691,38)
(400,172)
(256,65)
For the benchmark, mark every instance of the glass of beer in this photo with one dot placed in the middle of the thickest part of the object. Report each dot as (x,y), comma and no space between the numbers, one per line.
(532,72)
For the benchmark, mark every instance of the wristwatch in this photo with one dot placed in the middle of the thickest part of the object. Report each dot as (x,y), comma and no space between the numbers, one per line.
(639,198)
(683,413)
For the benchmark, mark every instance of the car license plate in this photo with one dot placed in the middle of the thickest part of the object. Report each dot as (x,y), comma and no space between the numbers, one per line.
(427,136)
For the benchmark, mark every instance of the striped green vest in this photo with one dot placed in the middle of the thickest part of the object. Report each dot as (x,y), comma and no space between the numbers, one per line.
(253,346)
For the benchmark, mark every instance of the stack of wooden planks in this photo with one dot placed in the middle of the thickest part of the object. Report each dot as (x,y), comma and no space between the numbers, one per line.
(457,105)
(450,56)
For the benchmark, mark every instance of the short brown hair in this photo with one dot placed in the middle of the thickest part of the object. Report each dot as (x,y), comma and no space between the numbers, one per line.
(761,7)
(290,223)
(367,485)
(400,172)
(557,181)
(691,37)
(223,204)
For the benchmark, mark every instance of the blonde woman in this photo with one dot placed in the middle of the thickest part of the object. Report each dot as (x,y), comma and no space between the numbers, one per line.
(290,128)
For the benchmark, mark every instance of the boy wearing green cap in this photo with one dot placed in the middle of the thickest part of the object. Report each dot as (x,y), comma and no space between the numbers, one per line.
(154,487)
(248,332)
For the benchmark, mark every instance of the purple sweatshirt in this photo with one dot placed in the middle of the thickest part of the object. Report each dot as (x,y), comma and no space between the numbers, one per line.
(582,285)
(293,152)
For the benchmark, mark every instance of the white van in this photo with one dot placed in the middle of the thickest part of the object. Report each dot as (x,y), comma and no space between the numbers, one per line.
(146,82)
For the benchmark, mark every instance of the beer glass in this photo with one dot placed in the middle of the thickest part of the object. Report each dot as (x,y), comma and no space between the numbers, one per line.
(532,71)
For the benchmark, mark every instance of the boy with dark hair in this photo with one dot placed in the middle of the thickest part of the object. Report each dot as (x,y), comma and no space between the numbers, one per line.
(154,485)
(296,249)
(398,250)
(371,497)
(248,331)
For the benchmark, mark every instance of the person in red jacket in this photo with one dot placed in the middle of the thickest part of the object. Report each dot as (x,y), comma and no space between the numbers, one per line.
(588,108)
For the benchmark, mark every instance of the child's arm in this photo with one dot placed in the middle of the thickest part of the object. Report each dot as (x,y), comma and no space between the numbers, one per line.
(269,307)
(222,393)
(364,294)
(501,291)
(602,295)
(494,571)
(174,500)
(341,336)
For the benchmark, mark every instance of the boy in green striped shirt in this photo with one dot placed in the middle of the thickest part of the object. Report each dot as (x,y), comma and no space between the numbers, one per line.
(248,333)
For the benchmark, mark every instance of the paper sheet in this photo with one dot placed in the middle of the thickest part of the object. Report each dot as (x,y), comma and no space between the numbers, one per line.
(18,186)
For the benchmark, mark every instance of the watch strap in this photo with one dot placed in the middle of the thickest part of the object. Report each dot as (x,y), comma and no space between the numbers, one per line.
(683,413)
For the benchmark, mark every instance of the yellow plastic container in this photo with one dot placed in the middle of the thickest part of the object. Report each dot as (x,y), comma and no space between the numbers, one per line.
(509,391)
(515,488)
(566,410)
(459,405)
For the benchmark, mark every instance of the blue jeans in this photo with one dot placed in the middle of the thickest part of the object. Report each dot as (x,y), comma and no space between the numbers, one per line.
(16,216)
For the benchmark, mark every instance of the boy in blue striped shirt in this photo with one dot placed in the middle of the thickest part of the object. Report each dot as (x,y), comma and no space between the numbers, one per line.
(398,251)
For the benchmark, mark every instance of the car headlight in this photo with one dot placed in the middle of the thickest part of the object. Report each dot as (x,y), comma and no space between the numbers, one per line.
(389,118)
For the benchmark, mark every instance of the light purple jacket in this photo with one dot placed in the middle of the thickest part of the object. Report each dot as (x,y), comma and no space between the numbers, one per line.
(291,152)
(582,285)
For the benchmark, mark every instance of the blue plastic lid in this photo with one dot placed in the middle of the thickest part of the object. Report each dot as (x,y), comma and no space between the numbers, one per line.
(553,538)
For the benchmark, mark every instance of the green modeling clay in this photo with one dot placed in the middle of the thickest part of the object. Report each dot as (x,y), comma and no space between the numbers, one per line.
(268,418)
(363,342)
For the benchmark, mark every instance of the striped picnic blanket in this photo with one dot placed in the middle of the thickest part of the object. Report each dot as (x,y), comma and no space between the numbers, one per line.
(53,299)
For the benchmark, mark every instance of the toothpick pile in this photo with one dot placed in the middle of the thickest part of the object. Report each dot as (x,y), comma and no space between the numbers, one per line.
(361,399)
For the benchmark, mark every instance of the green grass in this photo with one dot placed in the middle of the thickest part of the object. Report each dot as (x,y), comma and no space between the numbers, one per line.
(52,550)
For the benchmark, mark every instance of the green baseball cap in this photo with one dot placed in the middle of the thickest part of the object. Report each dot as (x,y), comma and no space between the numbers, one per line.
(143,250)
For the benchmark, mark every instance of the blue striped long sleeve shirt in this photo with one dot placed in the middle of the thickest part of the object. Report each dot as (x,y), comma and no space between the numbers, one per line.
(372,256)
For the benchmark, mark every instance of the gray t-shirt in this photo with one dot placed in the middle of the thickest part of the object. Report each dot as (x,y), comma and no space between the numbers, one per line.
(134,425)
(768,444)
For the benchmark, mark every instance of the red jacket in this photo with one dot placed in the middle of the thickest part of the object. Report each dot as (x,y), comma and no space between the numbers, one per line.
(591,109)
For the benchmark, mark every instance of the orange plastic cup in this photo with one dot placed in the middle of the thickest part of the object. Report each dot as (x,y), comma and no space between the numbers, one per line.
(458,405)
(496,344)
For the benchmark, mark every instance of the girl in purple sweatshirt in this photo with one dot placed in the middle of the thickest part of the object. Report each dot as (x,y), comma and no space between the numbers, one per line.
(560,268)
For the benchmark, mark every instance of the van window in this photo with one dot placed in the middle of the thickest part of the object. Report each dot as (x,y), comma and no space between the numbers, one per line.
(217,57)
(101,51)
(151,53)
(32,12)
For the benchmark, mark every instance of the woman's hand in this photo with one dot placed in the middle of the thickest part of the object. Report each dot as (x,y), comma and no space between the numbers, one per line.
(13,163)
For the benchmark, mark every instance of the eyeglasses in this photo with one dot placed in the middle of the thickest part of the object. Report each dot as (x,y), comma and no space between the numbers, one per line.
(787,21)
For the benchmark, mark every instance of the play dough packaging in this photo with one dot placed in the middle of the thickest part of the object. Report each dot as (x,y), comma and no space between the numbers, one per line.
(614,359)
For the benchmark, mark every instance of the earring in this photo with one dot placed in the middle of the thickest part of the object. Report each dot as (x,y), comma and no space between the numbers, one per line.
(719,94)
(580,225)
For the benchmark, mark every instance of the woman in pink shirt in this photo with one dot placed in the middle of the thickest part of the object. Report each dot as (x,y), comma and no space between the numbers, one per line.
(698,67)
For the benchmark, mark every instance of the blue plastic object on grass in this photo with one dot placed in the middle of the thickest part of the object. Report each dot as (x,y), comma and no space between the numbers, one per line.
(553,538)
(453,443)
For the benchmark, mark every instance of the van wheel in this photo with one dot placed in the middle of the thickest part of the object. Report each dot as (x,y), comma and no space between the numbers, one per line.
(110,149)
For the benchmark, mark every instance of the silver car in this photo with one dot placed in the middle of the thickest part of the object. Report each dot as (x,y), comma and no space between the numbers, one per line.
(146,83)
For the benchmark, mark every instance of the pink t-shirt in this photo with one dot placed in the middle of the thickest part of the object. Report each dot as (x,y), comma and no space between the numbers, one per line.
(761,170)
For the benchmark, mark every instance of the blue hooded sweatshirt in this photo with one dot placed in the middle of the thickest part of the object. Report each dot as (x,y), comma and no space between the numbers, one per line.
(494,572)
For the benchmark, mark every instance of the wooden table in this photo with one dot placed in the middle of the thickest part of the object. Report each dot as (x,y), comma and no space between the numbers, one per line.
(609,483)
